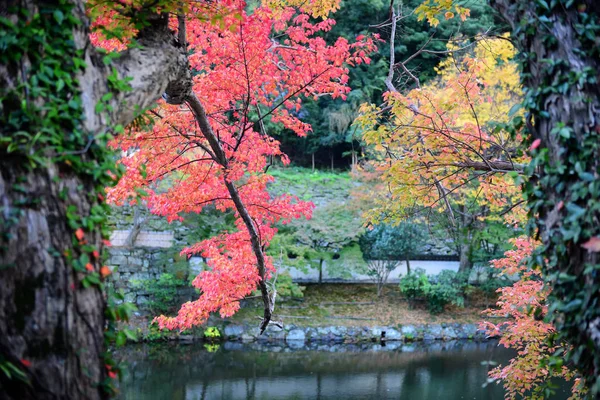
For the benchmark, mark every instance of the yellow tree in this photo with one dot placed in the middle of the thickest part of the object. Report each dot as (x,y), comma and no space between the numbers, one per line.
(441,146)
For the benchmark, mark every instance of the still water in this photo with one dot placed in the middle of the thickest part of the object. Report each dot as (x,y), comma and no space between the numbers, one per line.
(422,371)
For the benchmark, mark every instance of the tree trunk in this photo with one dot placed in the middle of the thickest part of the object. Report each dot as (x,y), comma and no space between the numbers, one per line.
(560,70)
(46,317)
(51,326)
(312,156)
(407,266)
(465,241)
(138,223)
(332,162)
(465,264)
(379,286)
(321,271)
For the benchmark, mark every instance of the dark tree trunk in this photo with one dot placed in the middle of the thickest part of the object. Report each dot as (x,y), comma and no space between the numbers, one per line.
(321,271)
(46,317)
(559,42)
(51,327)
(407,266)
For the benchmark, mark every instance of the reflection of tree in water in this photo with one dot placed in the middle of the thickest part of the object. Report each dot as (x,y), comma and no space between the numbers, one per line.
(420,371)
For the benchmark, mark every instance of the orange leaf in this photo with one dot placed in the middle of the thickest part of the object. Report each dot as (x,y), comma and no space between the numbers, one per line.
(536,143)
(105,271)
(593,244)
(79,234)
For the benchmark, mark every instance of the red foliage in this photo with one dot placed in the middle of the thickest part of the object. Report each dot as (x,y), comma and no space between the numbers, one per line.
(246,69)
(522,307)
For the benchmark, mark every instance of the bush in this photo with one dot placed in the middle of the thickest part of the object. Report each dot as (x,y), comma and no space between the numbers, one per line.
(414,285)
(163,292)
(445,288)
(212,334)
(287,288)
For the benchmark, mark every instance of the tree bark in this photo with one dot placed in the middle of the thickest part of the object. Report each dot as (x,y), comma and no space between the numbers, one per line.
(560,66)
(51,327)
(46,317)
(466,222)
(321,271)
(331,161)
(465,264)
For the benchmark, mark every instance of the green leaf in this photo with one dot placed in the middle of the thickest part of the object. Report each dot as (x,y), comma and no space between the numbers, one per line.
(121,339)
(572,305)
(59,16)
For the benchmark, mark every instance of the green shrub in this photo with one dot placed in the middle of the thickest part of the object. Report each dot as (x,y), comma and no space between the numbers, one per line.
(163,292)
(287,288)
(212,333)
(445,288)
(414,285)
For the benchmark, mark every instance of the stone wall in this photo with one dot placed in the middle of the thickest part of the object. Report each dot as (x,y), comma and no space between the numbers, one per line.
(300,336)
(156,249)
(134,268)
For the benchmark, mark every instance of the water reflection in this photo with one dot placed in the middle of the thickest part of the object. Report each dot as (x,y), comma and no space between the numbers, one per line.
(450,370)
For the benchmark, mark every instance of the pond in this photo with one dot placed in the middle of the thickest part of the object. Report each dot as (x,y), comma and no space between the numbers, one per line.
(418,371)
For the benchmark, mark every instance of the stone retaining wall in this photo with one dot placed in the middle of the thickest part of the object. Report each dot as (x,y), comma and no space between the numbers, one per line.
(342,334)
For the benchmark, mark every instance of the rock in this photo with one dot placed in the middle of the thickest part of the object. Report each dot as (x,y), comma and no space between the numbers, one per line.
(376,332)
(449,333)
(247,337)
(433,332)
(233,331)
(338,330)
(311,334)
(296,335)
(392,334)
(117,260)
(409,332)
(129,298)
(468,331)
(322,332)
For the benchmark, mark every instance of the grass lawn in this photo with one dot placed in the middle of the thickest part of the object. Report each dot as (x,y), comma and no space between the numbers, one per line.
(357,305)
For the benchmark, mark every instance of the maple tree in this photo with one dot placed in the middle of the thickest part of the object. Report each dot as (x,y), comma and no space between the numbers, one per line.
(214,145)
(523,308)
(442,146)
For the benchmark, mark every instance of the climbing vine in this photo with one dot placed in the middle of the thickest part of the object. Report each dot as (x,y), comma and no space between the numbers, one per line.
(41,120)
(561,77)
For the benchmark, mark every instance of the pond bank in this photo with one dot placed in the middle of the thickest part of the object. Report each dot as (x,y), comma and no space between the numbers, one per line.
(298,335)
